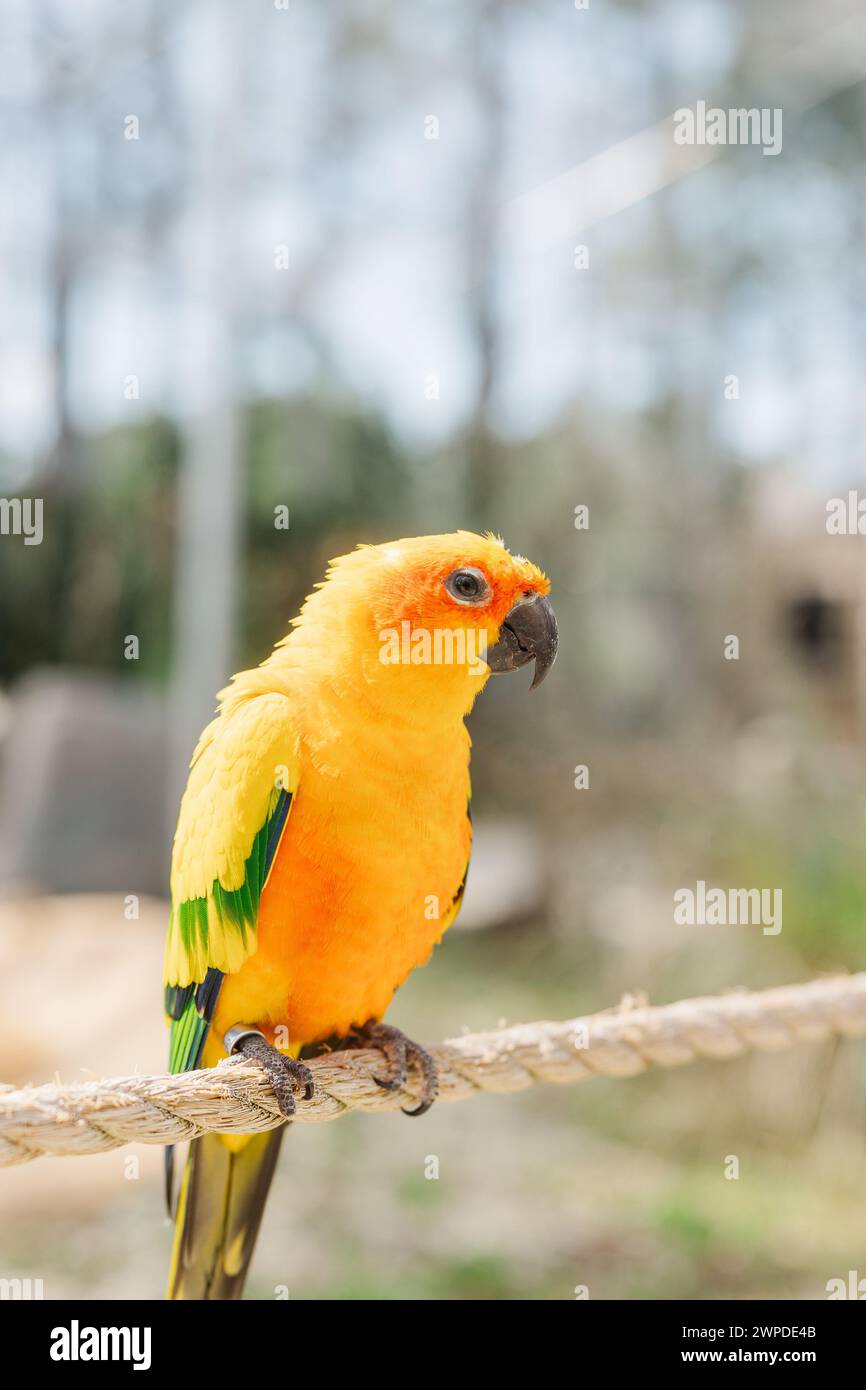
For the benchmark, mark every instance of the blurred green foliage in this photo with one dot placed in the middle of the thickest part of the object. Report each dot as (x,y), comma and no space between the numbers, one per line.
(105,567)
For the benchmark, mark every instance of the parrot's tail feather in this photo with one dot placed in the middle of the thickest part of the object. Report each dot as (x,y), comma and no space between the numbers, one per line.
(168,1168)
(220,1207)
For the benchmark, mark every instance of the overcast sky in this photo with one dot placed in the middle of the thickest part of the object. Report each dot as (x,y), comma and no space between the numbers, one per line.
(749,265)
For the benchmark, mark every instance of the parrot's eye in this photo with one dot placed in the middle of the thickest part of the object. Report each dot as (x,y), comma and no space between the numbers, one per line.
(468,586)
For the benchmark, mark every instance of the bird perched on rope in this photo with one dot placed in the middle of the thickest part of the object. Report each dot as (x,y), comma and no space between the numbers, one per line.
(323,842)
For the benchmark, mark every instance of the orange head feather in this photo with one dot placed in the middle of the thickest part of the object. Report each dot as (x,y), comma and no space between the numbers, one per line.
(403,621)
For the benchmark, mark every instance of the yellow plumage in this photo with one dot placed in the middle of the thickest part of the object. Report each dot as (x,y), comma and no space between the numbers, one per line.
(324,837)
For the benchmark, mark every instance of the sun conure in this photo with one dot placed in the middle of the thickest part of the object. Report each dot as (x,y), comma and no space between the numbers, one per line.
(323,842)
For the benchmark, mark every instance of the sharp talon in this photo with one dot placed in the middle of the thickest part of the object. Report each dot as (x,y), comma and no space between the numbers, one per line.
(388,1084)
(399,1052)
(283,1072)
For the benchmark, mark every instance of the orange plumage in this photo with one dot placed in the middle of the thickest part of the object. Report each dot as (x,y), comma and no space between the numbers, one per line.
(368,870)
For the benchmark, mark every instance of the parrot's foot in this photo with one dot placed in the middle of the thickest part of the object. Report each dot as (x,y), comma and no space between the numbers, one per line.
(284,1073)
(400,1053)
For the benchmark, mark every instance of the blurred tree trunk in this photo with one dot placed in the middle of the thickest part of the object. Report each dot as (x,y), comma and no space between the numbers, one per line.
(210,498)
(482,219)
(61,475)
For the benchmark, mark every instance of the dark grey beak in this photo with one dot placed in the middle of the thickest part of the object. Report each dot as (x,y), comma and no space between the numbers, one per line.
(529,633)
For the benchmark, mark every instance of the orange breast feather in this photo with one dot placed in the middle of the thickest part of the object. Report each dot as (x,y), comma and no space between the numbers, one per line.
(362,887)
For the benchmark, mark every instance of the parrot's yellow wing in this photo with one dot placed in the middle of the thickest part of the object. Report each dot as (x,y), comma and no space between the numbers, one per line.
(243,776)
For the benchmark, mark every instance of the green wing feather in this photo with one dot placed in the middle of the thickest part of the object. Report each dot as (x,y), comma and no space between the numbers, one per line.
(232,819)
(190,1007)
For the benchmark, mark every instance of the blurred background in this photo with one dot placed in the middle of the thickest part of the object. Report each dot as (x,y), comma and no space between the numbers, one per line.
(282,277)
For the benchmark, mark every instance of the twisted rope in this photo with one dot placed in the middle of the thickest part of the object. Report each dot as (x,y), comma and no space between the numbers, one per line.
(95,1116)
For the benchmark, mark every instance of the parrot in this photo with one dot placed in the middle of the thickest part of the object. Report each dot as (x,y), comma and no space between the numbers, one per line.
(322,847)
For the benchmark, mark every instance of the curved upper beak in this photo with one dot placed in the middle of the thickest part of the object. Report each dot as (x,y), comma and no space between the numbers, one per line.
(529,633)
